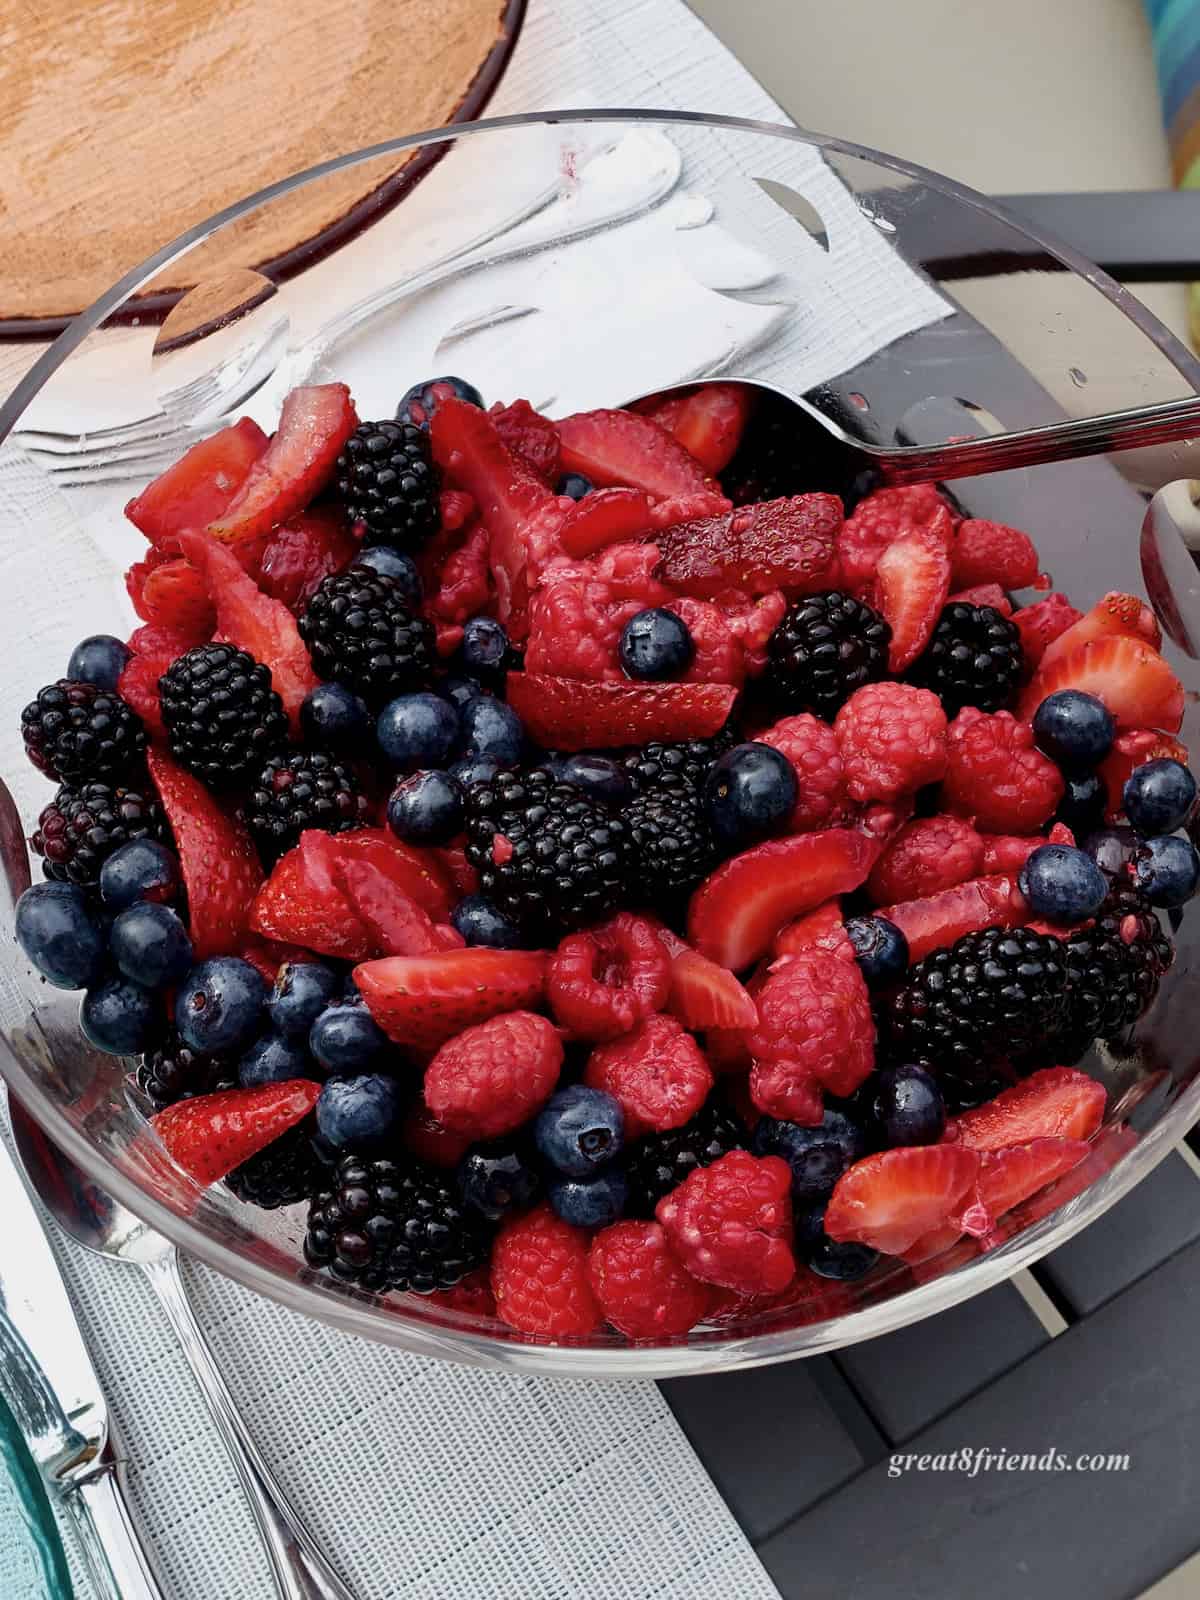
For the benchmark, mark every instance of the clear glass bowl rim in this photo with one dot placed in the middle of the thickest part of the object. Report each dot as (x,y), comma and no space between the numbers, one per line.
(393,1326)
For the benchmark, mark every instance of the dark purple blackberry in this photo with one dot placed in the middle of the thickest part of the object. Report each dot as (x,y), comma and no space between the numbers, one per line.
(361,631)
(80,829)
(387,479)
(77,733)
(567,858)
(973,659)
(384,1226)
(659,766)
(827,646)
(673,844)
(306,790)
(659,1162)
(177,1072)
(286,1171)
(1114,967)
(222,716)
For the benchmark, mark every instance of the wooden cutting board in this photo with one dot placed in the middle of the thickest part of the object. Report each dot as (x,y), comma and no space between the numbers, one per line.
(123,122)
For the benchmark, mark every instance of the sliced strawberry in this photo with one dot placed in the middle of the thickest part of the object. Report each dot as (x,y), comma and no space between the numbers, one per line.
(892,1199)
(529,435)
(136,575)
(1124,615)
(456,869)
(176,596)
(197,488)
(291,907)
(1008,1176)
(984,594)
(1056,1103)
(301,552)
(416,873)
(1041,623)
(708,422)
(619,448)
(604,517)
(737,911)
(154,648)
(211,1134)
(266,956)
(940,919)
(221,870)
(781,544)
(396,923)
(822,929)
(1131,749)
(705,995)
(574,714)
(425,1000)
(991,552)
(1130,676)
(933,1243)
(913,578)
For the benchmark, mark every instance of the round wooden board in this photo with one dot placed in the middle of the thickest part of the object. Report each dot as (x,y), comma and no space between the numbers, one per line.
(124,123)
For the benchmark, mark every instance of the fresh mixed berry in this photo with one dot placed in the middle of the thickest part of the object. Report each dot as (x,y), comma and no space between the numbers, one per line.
(603,882)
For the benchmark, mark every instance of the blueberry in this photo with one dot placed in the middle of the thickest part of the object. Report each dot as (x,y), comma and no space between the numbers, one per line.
(121,1017)
(143,869)
(1074,729)
(1166,870)
(150,945)
(58,935)
(1112,849)
(589,1202)
(826,1256)
(817,1156)
(422,400)
(881,949)
(750,792)
(471,770)
(906,1106)
(360,1114)
(578,1130)
(1082,806)
(574,484)
(1063,883)
(497,1178)
(1159,796)
(418,730)
(480,923)
(459,691)
(333,717)
(302,991)
(346,1038)
(395,564)
(485,648)
(599,776)
(655,644)
(491,728)
(426,808)
(98,659)
(274,1059)
(219,1005)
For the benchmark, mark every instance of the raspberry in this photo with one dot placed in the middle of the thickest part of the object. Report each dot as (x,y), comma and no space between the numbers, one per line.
(1040,624)
(893,740)
(812,748)
(473,1294)
(603,983)
(540,1277)
(995,776)
(464,581)
(657,1074)
(719,657)
(493,1077)
(429,1141)
(814,1033)
(989,552)
(752,621)
(926,856)
(577,615)
(874,523)
(642,1287)
(731,1223)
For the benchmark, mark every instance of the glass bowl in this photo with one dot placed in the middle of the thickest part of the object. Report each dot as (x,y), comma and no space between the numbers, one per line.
(583,259)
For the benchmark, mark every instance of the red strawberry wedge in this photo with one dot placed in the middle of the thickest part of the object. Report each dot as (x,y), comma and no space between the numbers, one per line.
(913,578)
(1056,1103)
(1114,615)
(424,1000)
(197,488)
(604,517)
(176,596)
(1008,1176)
(735,913)
(420,874)
(295,909)
(154,648)
(822,929)
(705,995)
(1129,675)
(211,1134)
(619,448)
(220,866)
(892,1199)
(397,924)
(302,551)
(578,714)
(940,919)
(708,422)
(782,544)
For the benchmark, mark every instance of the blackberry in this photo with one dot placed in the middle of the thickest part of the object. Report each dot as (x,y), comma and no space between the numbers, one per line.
(827,646)
(177,1072)
(80,829)
(659,1162)
(659,766)
(388,1226)
(306,790)
(988,996)
(386,477)
(568,858)
(222,716)
(973,659)
(77,733)
(1114,967)
(361,631)
(672,843)
(284,1172)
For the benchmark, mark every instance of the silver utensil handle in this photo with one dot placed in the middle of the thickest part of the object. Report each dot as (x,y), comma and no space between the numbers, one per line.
(301,1571)
(115,1555)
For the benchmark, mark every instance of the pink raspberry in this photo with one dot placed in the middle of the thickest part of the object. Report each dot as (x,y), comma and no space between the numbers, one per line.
(893,740)
(874,523)
(1040,624)
(429,1141)
(657,1074)
(540,1277)
(731,1223)
(719,656)
(465,582)
(576,616)
(472,1293)
(990,552)
(812,748)
(815,1033)
(641,1285)
(752,620)
(995,775)
(601,984)
(926,856)
(492,1077)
